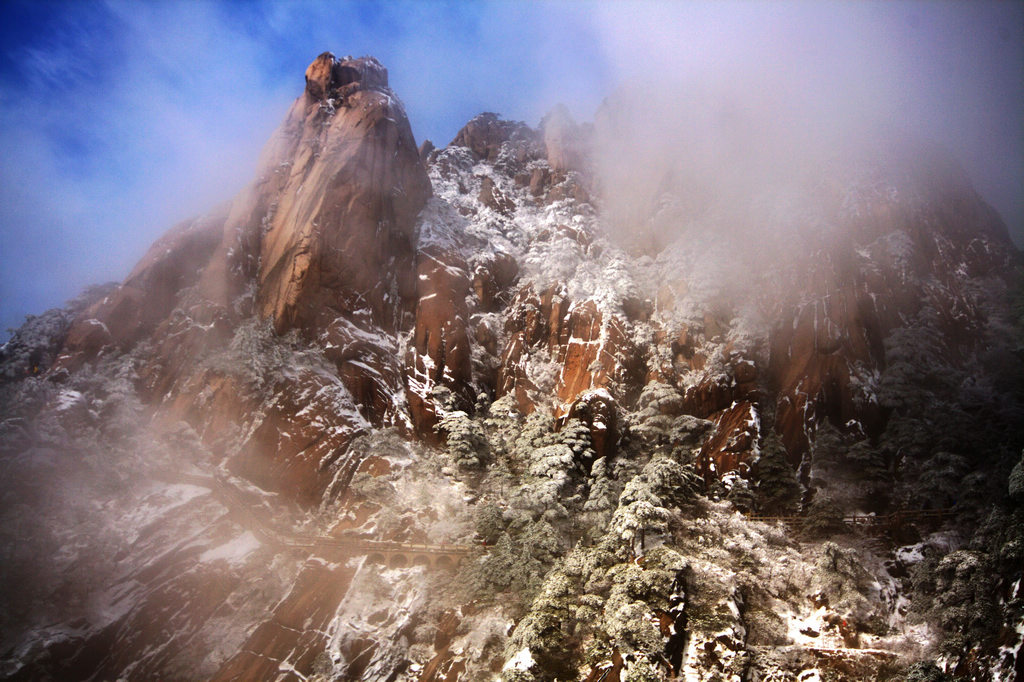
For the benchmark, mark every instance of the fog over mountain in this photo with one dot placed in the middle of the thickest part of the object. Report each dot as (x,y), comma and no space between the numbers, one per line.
(163,107)
(709,368)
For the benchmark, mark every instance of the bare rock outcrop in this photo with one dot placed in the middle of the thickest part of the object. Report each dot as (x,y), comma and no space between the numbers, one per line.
(346,202)
(589,348)
(894,256)
(597,410)
(323,242)
(147,296)
(292,346)
(485,134)
(440,352)
(492,277)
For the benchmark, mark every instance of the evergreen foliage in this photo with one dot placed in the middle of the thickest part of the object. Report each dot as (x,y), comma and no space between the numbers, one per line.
(501,424)
(962,600)
(547,630)
(1016,482)
(871,470)
(33,346)
(843,580)
(582,552)
(941,482)
(926,672)
(465,440)
(602,490)
(489,522)
(776,490)
(513,566)
(257,355)
(658,421)
(823,519)
(639,512)
(851,476)
(738,492)
(965,592)
(647,500)
(642,671)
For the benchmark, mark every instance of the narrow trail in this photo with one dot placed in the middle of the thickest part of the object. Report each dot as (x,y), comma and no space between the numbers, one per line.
(894,520)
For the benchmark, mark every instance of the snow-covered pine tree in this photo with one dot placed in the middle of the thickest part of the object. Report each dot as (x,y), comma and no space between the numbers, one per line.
(776,488)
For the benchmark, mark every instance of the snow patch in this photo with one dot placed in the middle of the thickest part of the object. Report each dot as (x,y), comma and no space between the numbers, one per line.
(235,551)
(67,399)
(523,660)
(911,554)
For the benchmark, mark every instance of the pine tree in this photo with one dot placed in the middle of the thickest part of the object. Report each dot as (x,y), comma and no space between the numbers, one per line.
(489,522)
(777,489)
(466,441)
(645,501)
(602,488)
(740,495)
(576,435)
(675,484)
(641,513)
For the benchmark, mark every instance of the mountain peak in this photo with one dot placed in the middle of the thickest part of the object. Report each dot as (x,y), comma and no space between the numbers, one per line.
(327,75)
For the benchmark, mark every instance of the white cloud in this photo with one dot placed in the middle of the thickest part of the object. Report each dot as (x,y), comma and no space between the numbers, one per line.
(126,117)
(949,72)
(106,147)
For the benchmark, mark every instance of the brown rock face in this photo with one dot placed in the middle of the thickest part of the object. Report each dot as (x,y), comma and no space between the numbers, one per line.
(338,189)
(440,354)
(298,436)
(366,363)
(492,197)
(324,242)
(335,299)
(596,409)
(887,263)
(296,630)
(492,277)
(347,200)
(327,75)
(737,430)
(485,134)
(589,348)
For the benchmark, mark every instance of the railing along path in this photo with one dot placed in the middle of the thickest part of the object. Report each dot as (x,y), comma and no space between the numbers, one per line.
(892,520)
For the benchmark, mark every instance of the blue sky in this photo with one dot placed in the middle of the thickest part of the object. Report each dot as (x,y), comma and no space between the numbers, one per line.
(118,119)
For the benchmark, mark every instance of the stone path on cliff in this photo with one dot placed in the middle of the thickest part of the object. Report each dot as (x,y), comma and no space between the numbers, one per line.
(870,522)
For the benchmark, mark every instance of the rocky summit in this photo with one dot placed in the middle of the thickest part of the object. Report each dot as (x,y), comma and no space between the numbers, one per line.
(513,409)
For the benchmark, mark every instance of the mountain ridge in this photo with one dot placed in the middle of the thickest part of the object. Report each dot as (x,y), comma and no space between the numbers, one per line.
(365,323)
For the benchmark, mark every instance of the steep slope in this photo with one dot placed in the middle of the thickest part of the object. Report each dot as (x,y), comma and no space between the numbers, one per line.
(487,345)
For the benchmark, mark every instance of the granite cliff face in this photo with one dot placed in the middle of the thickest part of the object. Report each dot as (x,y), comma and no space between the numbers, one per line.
(343,187)
(459,346)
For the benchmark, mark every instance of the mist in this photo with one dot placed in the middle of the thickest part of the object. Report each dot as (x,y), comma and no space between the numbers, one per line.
(119,120)
(732,103)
